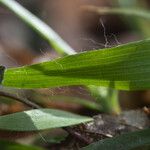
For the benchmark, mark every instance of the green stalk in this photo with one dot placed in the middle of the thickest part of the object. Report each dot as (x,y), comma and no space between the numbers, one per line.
(57,43)
(108,98)
(42,28)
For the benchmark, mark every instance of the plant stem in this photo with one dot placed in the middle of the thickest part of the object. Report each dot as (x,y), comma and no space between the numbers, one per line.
(42,28)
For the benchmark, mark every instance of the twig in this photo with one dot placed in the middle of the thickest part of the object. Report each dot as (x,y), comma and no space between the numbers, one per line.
(22,100)
(77,135)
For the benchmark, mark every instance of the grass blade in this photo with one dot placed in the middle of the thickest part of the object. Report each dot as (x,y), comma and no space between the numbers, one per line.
(43,29)
(124,67)
(42,98)
(40,119)
(145,14)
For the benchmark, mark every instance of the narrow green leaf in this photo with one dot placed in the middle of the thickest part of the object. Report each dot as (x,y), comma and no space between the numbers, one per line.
(43,29)
(42,98)
(128,141)
(125,67)
(40,119)
(140,13)
(7,145)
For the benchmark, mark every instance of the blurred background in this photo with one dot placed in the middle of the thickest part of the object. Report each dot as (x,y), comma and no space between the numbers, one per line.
(83,30)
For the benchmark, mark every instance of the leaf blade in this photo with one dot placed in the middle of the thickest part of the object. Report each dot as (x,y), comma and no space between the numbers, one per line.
(124,67)
(123,142)
(40,119)
(133,12)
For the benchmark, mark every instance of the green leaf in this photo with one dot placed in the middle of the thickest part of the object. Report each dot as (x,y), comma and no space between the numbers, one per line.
(40,119)
(42,98)
(7,145)
(125,67)
(43,29)
(137,12)
(128,141)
